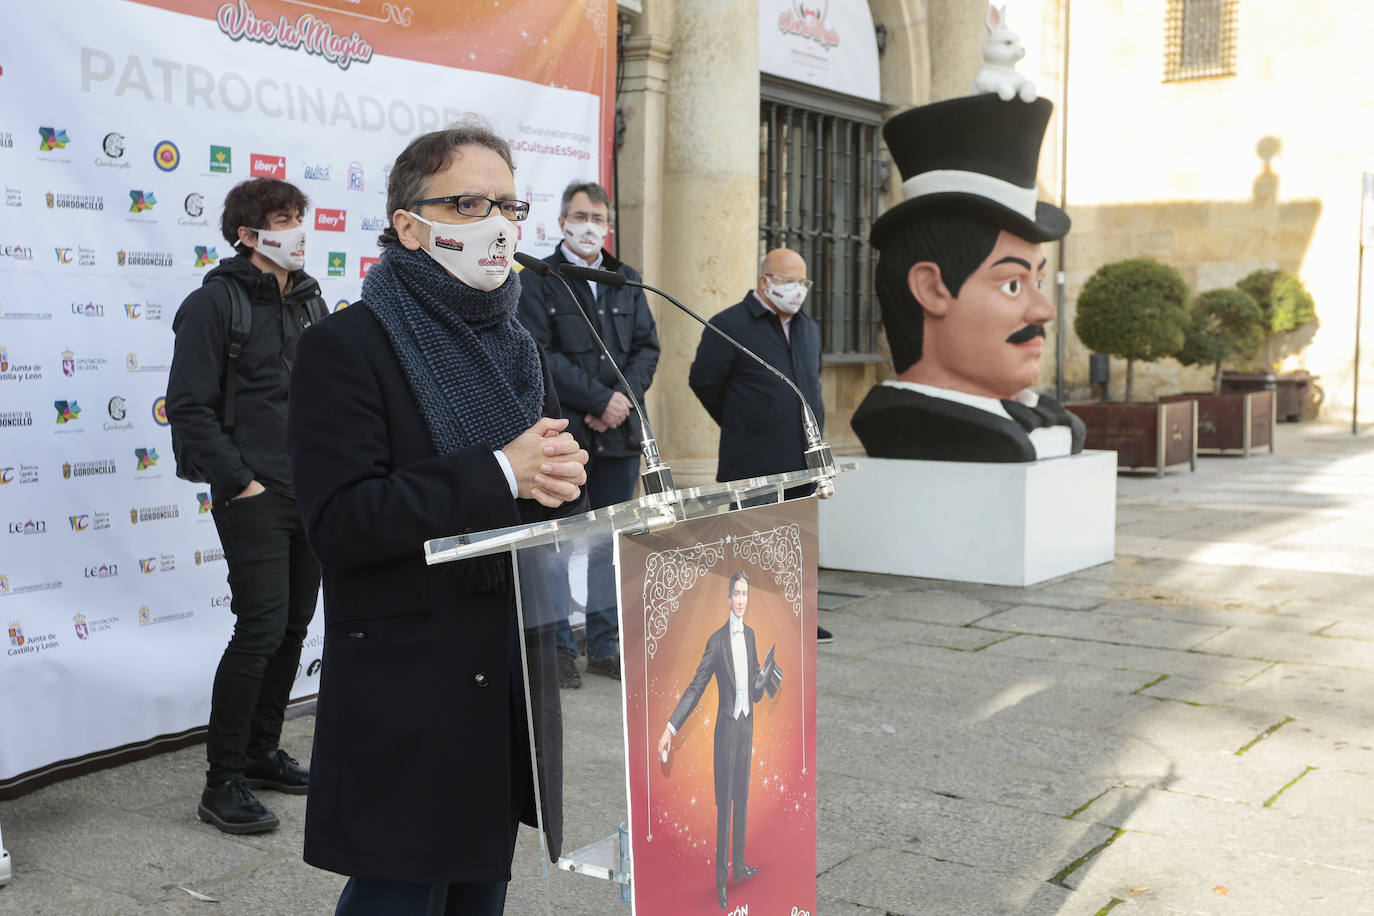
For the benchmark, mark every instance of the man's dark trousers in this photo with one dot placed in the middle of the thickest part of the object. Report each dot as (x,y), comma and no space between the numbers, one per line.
(610,480)
(734,752)
(274,580)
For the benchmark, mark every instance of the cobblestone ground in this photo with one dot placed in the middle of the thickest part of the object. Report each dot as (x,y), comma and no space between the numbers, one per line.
(1185,730)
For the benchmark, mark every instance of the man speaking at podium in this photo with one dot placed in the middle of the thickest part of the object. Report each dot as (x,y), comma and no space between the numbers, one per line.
(424,411)
(732,658)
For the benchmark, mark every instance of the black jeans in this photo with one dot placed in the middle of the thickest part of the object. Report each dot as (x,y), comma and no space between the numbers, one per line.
(274,580)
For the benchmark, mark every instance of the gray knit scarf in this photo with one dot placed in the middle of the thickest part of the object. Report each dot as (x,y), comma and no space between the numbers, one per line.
(473,368)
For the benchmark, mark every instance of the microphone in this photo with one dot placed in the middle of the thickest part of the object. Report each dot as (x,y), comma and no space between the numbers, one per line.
(657,477)
(817,451)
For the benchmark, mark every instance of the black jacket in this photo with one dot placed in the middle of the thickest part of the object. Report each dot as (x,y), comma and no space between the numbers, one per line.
(415,759)
(760,418)
(896,422)
(195,395)
(585,381)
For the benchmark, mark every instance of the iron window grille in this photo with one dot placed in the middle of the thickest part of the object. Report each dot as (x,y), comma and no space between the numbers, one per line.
(1199,39)
(822,181)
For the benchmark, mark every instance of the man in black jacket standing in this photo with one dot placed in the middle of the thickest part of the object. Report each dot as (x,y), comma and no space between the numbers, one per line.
(600,415)
(273,576)
(761,430)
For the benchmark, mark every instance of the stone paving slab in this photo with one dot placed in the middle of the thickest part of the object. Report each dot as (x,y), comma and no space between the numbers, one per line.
(1291,647)
(1130,631)
(934,606)
(1234,617)
(1135,658)
(1286,688)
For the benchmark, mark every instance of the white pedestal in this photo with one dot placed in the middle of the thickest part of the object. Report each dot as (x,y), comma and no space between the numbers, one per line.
(1000,524)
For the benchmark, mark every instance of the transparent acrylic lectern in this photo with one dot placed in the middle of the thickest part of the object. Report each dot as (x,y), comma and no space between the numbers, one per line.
(578,736)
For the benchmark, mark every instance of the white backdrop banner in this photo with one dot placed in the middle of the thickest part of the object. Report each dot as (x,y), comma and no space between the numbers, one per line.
(827,43)
(121,132)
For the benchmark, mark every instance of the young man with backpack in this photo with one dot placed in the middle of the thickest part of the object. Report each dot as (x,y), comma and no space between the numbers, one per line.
(226,403)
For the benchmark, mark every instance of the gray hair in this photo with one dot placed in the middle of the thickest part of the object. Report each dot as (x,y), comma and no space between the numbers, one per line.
(429,154)
(593,190)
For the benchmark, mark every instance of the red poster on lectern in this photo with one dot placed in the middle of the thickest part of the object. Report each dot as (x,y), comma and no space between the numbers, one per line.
(718,637)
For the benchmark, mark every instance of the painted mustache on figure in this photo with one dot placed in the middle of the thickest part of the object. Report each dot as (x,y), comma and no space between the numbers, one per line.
(1029,332)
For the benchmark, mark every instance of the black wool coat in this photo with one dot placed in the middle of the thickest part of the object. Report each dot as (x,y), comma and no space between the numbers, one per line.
(760,417)
(417,767)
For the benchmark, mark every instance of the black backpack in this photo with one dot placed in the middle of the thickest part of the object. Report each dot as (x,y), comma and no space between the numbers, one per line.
(240,324)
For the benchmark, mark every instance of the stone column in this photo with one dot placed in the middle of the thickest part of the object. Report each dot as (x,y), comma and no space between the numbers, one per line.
(957,29)
(710,207)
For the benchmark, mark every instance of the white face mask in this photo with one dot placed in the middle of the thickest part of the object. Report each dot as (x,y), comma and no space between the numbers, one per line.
(283,247)
(786,297)
(476,254)
(584,238)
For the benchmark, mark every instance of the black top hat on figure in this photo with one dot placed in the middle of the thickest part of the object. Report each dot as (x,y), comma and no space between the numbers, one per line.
(976,154)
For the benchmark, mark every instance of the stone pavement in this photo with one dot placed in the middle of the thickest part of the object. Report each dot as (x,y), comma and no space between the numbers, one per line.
(1185,730)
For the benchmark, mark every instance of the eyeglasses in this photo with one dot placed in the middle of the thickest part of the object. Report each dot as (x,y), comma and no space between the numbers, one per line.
(783,281)
(479,206)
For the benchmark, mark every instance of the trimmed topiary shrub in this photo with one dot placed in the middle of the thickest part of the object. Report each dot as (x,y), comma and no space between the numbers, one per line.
(1223,324)
(1285,304)
(1134,309)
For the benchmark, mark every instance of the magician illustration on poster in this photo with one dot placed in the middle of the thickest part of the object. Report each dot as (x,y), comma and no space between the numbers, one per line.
(718,640)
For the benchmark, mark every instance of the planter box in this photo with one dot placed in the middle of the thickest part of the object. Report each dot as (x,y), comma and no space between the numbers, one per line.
(1004,523)
(1232,422)
(1291,390)
(1153,436)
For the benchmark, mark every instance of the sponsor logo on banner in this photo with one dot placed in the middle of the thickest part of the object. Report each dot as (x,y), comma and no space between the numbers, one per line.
(88,468)
(160,411)
(133,364)
(14,197)
(10,419)
(67,412)
(336,263)
(365,264)
(308,33)
(89,521)
(203,503)
(20,474)
(31,526)
(6,140)
(88,310)
(206,255)
(140,201)
(146,457)
(154,513)
(340,305)
(51,138)
(85,629)
(224,600)
(330,220)
(209,555)
(79,623)
(374,223)
(163,563)
(144,258)
(355,176)
(166,155)
(16,252)
(267,166)
(103,571)
(16,632)
(221,160)
(113,147)
(146,617)
(148,311)
(118,411)
(80,256)
(318,172)
(807,20)
(14,371)
(12,315)
(64,201)
(71,365)
(195,210)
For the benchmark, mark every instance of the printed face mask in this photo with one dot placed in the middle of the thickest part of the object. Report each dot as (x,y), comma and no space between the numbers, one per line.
(476,254)
(584,238)
(788,297)
(283,247)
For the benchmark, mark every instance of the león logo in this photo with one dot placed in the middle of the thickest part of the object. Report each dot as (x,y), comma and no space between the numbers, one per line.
(52,138)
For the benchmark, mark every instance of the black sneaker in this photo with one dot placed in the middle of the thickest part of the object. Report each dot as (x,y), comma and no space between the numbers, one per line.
(567,671)
(278,770)
(232,807)
(606,667)
(824,635)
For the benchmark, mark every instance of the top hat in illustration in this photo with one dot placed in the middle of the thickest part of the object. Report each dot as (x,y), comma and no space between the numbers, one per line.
(976,155)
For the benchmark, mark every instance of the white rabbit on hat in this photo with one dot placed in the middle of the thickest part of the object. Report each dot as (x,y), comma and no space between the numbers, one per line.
(1001,51)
